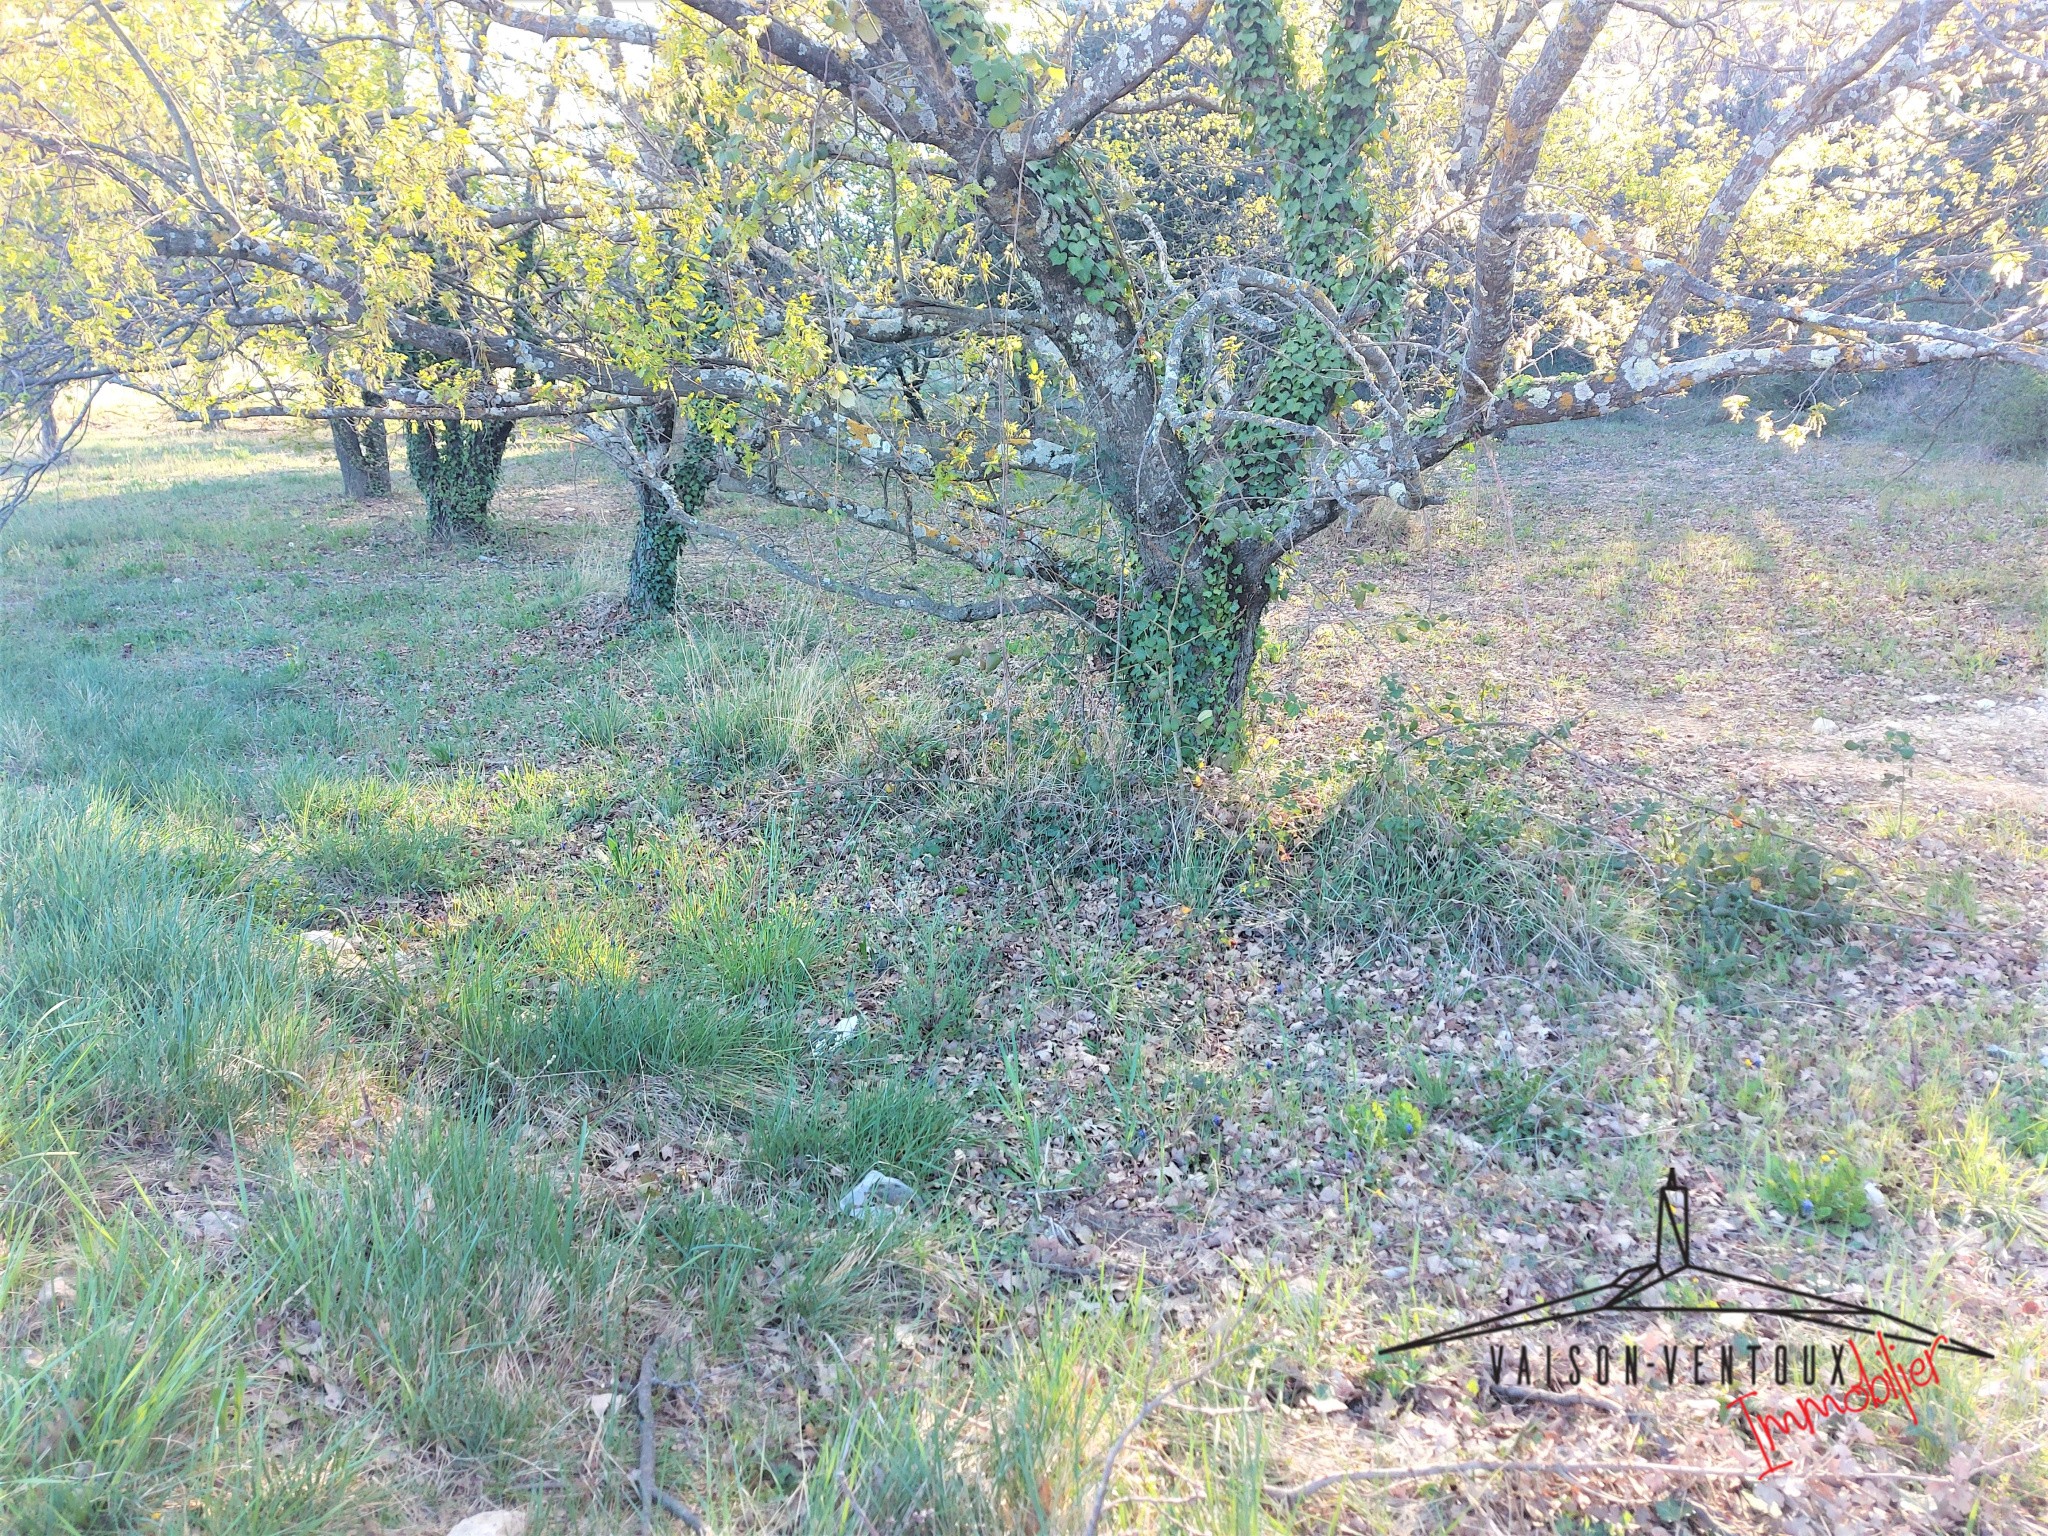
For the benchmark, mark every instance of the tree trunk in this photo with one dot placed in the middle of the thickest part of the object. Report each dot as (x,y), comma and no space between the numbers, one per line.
(688,466)
(455,464)
(363,450)
(348,453)
(376,449)
(1185,648)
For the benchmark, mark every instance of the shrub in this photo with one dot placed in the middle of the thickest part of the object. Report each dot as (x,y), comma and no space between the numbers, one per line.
(1732,887)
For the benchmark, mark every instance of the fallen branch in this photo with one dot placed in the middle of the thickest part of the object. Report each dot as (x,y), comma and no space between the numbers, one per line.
(651,1492)
(1162,1399)
(1507,1392)
(1302,1491)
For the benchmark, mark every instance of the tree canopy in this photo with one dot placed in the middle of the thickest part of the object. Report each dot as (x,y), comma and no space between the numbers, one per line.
(1115,306)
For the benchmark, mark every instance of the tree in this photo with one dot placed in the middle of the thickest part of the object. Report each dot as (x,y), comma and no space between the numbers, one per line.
(455,465)
(285,209)
(683,457)
(911,275)
(1844,192)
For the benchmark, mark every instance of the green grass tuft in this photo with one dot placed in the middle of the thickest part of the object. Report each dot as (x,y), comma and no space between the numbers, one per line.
(438,1272)
(181,1005)
(610,1030)
(376,837)
(769,704)
(747,932)
(824,1140)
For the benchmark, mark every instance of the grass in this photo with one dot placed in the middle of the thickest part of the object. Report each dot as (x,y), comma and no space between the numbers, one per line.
(758,703)
(613,1031)
(747,932)
(131,960)
(431,1269)
(783,1265)
(125,1405)
(372,837)
(533,989)
(903,1128)
(1439,845)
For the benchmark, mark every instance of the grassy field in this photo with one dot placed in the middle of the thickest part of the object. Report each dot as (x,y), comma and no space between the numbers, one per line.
(433,1007)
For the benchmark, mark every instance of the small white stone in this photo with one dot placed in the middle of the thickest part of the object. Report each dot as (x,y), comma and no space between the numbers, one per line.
(492,1522)
(1823,726)
(875,1191)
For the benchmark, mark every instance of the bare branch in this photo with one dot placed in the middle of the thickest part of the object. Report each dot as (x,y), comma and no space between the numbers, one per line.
(1144,1412)
(612,29)
(1040,565)
(1603,394)
(919,319)
(618,447)
(1172,101)
(909,31)
(2017,324)
(896,110)
(1485,65)
(1127,66)
(1824,97)
(1677,23)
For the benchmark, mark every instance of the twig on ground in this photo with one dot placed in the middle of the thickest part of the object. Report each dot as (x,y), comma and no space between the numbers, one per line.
(852,1503)
(1162,1499)
(1310,1489)
(1307,1490)
(1115,1450)
(1507,1392)
(651,1492)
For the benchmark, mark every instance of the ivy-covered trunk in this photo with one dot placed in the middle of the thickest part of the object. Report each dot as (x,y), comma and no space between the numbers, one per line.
(1187,644)
(363,450)
(455,464)
(688,468)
